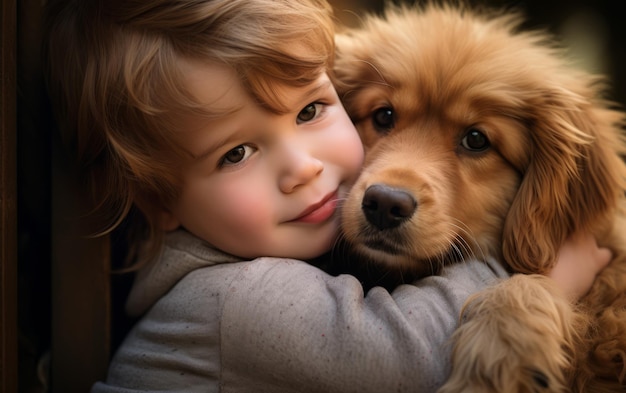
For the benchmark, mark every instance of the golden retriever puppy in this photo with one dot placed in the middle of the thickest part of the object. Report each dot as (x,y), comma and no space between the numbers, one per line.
(482,141)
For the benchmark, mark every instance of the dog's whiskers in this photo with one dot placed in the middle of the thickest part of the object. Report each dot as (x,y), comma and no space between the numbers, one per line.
(458,249)
(463,228)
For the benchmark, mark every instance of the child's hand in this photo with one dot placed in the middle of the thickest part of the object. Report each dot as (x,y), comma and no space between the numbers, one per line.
(578,262)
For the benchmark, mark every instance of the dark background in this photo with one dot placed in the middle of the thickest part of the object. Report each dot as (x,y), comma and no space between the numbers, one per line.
(595,30)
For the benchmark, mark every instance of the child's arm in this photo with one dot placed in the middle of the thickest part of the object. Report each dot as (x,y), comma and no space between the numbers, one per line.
(279,325)
(579,261)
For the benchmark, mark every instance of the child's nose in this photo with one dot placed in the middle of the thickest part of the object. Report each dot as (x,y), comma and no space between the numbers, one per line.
(299,168)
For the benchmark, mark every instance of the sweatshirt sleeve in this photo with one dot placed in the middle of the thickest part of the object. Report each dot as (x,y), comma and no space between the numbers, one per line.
(289,327)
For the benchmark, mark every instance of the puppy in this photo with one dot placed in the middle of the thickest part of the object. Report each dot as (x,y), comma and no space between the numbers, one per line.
(481,141)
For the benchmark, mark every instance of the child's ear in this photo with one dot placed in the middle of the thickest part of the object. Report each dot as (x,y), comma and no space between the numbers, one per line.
(168,220)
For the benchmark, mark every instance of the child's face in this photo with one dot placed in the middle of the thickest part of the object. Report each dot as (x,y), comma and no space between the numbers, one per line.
(265,184)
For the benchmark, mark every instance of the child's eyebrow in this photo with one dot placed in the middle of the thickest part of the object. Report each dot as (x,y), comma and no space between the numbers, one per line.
(315,89)
(218,142)
(210,150)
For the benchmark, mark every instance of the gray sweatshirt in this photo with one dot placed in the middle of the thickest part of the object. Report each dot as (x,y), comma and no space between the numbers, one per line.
(212,323)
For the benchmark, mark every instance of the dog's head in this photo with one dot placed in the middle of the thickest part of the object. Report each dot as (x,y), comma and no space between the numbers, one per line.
(479,140)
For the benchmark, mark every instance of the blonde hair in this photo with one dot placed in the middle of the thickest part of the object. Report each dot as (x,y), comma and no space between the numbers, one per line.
(118,92)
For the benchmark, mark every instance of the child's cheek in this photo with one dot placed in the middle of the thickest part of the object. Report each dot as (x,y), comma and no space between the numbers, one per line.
(246,212)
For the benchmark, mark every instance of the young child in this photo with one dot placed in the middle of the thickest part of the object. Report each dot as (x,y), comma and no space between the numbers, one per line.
(216,121)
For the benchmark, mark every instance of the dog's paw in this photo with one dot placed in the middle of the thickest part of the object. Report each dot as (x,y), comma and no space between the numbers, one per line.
(516,336)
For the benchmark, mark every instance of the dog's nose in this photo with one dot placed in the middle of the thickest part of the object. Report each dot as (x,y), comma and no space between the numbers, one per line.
(387,207)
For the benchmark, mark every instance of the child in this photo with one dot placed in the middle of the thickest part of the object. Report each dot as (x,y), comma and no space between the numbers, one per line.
(216,121)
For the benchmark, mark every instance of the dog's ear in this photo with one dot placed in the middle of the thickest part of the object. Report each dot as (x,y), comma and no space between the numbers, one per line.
(572,181)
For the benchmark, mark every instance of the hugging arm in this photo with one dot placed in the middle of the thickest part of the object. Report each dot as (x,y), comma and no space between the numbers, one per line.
(298,329)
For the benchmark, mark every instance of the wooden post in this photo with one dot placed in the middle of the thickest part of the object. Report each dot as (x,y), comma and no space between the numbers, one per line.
(81,294)
(8,199)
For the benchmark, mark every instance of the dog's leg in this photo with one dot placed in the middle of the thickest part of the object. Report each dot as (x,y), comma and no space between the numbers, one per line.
(517,336)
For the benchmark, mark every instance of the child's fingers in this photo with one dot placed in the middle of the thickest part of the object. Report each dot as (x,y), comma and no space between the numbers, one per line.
(603,257)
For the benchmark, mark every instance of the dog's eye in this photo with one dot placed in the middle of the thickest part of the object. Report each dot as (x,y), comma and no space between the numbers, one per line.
(475,140)
(541,380)
(383,119)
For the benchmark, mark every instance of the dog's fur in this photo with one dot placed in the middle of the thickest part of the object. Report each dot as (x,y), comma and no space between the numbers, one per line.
(482,141)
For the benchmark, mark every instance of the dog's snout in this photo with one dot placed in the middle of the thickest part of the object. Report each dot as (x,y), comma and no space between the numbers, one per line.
(386,207)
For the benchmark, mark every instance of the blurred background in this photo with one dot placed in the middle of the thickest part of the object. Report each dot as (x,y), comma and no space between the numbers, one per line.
(595,30)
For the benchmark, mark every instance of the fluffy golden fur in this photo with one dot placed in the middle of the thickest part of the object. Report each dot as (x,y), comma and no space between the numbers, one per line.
(482,141)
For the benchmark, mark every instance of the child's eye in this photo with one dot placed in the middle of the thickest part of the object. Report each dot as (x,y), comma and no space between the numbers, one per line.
(309,112)
(236,155)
